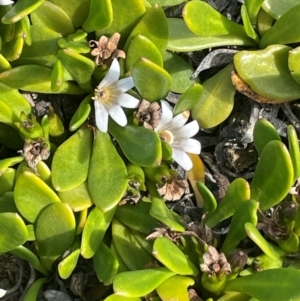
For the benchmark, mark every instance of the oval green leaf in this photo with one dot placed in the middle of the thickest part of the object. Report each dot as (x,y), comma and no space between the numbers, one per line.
(181,39)
(267,73)
(141,46)
(173,258)
(71,161)
(216,101)
(269,189)
(175,287)
(293,63)
(100,15)
(55,230)
(32,195)
(203,20)
(152,81)
(269,285)
(20,10)
(141,146)
(107,179)
(264,132)
(13,231)
(140,283)
(277,8)
(285,30)
(77,198)
(294,150)
(94,230)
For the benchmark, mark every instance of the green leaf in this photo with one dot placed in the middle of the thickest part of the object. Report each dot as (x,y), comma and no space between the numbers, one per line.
(34,289)
(180,72)
(55,230)
(245,212)
(6,114)
(20,10)
(166,2)
(162,213)
(175,286)
(140,46)
(107,178)
(260,241)
(94,230)
(141,146)
(131,252)
(76,10)
(35,78)
(264,22)
(71,161)
(277,8)
(181,39)
(294,150)
(100,15)
(264,132)
(285,30)
(77,198)
(276,284)
(6,163)
(173,258)
(15,100)
(216,101)
(188,99)
(9,136)
(253,7)
(80,67)
(53,17)
(152,81)
(125,18)
(237,192)
(105,264)
(209,201)
(270,190)
(271,76)
(32,195)
(203,20)
(13,49)
(7,181)
(137,217)
(247,24)
(13,231)
(69,263)
(293,63)
(140,283)
(153,26)
(81,114)
(121,298)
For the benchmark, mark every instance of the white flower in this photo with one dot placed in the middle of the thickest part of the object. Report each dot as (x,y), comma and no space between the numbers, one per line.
(6,2)
(110,96)
(175,132)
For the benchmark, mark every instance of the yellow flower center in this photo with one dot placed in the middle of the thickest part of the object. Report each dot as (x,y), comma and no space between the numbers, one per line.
(167,137)
(102,95)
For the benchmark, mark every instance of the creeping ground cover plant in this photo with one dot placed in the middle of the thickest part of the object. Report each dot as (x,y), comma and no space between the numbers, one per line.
(149,150)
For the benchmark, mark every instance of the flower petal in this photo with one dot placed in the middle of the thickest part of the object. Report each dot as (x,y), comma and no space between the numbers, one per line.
(112,75)
(101,116)
(188,130)
(6,2)
(118,115)
(179,121)
(182,159)
(127,101)
(166,116)
(125,84)
(192,146)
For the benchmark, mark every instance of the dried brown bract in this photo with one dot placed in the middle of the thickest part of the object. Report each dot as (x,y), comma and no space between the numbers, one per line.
(173,191)
(215,262)
(106,49)
(34,152)
(148,114)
